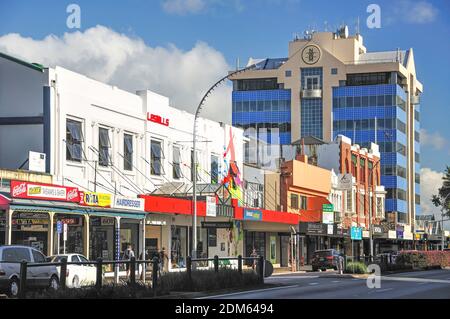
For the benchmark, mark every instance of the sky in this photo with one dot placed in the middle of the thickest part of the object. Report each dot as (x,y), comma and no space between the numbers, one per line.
(180,47)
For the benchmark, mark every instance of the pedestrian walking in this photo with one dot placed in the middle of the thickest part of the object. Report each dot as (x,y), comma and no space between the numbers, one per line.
(162,257)
(127,255)
(254,254)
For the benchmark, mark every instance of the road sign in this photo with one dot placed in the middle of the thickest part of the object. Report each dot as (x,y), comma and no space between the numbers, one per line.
(59,227)
(64,232)
(356,233)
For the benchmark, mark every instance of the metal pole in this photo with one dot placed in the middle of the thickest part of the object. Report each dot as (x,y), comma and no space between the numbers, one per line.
(194,147)
(442,229)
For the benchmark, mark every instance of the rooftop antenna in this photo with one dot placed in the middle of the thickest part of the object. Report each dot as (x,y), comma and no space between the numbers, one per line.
(237,64)
(357,26)
(326,26)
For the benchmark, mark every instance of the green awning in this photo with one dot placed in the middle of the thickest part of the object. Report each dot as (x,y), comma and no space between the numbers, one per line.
(46,209)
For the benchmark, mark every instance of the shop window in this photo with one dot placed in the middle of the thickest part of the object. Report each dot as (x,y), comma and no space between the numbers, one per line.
(74,140)
(156,158)
(212,237)
(128,152)
(178,251)
(362,170)
(104,146)
(176,165)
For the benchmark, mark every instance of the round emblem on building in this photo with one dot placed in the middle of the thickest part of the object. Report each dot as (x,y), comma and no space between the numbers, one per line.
(311,54)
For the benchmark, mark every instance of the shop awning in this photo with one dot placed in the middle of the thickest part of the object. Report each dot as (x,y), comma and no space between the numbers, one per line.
(4,200)
(71,208)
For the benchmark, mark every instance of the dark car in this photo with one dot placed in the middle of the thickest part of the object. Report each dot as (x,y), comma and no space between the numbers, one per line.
(325,259)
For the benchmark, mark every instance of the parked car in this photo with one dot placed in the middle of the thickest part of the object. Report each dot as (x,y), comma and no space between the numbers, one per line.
(37,277)
(325,259)
(76,275)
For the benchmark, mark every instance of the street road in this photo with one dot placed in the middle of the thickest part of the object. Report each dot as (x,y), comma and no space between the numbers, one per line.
(329,285)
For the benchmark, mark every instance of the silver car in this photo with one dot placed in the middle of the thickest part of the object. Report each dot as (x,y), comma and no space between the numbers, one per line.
(37,277)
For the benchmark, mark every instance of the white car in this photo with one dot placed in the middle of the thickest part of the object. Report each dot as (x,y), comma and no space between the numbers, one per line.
(77,275)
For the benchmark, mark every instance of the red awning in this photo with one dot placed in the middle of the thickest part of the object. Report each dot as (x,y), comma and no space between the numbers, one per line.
(314,211)
(4,201)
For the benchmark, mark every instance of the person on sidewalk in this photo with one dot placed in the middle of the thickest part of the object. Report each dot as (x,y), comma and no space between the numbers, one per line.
(162,257)
(254,254)
(127,255)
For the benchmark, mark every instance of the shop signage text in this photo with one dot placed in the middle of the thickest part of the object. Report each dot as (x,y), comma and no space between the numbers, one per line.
(129,203)
(356,233)
(328,213)
(313,228)
(252,214)
(29,190)
(157,119)
(211,207)
(227,225)
(95,199)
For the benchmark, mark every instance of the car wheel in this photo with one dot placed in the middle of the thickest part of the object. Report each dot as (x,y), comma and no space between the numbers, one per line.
(324,269)
(13,290)
(76,282)
(54,283)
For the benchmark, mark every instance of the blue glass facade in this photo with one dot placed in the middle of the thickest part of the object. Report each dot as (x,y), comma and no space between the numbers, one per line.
(360,112)
(263,110)
(311,109)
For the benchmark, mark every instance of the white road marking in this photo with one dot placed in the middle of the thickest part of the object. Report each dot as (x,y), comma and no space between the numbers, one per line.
(424,280)
(292,277)
(313,283)
(336,281)
(383,290)
(247,292)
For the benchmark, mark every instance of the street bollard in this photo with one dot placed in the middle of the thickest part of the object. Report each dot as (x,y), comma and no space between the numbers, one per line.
(155,275)
(189,267)
(99,265)
(23,279)
(132,266)
(261,269)
(240,264)
(63,274)
(216,263)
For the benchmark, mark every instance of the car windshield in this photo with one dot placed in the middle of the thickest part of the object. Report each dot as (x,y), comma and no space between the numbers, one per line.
(57,259)
(323,253)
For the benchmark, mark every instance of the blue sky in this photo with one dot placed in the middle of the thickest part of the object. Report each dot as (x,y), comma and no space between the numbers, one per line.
(261,28)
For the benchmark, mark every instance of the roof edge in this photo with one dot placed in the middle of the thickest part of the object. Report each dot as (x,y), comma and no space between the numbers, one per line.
(21,62)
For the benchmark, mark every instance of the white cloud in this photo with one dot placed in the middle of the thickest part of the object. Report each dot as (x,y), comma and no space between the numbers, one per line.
(421,12)
(129,63)
(182,7)
(435,140)
(430,182)
(416,12)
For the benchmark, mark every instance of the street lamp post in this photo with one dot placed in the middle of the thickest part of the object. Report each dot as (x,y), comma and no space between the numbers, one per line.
(370,214)
(194,147)
(442,223)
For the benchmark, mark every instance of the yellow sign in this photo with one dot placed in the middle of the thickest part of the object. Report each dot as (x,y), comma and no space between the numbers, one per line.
(96,199)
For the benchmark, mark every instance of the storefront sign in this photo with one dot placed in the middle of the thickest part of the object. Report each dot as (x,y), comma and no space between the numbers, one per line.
(392,234)
(107,221)
(36,162)
(330,229)
(59,227)
(356,233)
(366,234)
(157,119)
(121,202)
(408,235)
(327,213)
(313,228)
(345,181)
(227,225)
(29,190)
(252,214)
(211,207)
(95,199)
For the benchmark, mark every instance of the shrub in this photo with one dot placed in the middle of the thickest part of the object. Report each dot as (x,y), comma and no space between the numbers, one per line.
(205,280)
(356,268)
(424,259)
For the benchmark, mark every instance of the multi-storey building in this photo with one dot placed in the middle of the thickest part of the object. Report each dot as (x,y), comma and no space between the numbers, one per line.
(329,85)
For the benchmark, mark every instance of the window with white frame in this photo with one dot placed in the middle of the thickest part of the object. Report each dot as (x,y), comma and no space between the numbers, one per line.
(380,207)
(156,158)
(312,82)
(176,162)
(74,141)
(349,201)
(128,152)
(104,145)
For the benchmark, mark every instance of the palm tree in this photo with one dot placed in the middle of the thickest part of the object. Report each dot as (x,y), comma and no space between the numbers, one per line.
(442,199)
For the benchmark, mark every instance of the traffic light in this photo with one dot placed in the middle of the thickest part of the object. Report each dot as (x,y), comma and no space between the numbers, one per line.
(425,236)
